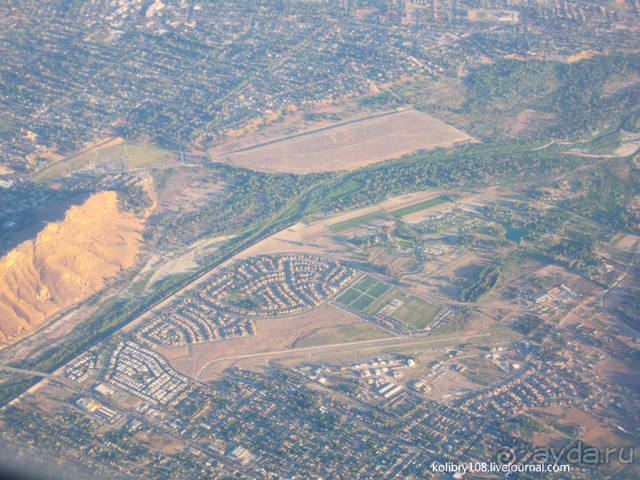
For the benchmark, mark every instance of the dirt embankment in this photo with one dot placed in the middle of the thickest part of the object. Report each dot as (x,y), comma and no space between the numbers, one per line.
(68,261)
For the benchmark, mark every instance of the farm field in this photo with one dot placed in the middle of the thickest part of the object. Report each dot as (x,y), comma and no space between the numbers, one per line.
(350,145)
(398,213)
(401,212)
(354,222)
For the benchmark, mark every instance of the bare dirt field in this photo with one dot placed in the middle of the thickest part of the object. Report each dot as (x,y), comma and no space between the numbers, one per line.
(323,326)
(348,145)
(592,431)
(627,243)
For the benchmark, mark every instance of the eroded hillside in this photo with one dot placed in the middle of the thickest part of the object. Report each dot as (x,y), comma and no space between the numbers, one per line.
(67,261)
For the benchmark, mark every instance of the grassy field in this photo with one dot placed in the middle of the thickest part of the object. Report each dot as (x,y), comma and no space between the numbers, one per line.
(482,371)
(340,334)
(432,202)
(370,295)
(354,222)
(5,125)
(131,155)
(414,312)
(365,284)
(363,293)
(399,213)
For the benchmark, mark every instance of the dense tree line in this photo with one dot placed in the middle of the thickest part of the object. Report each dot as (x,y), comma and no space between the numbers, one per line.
(134,198)
(486,280)
(608,199)
(575,94)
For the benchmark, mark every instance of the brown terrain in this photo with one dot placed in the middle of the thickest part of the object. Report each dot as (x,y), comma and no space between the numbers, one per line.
(67,261)
(346,145)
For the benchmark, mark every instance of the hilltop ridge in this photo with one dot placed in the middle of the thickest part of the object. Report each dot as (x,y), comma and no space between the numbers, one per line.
(66,262)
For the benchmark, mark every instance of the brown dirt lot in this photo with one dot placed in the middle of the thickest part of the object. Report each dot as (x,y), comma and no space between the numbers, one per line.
(592,431)
(321,326)
(350,145)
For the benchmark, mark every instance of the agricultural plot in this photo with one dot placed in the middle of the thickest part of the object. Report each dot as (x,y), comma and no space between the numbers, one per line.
(398,213)
(432,202)
(351,144)
(354,222)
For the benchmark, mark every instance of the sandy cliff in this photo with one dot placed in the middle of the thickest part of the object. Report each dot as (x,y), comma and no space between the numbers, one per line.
(68,261)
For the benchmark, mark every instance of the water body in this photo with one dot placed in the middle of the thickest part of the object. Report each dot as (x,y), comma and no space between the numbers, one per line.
(514,234)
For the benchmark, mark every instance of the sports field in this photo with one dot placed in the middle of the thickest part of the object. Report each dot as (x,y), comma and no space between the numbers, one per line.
(363,293)
(370,296)
(351,144)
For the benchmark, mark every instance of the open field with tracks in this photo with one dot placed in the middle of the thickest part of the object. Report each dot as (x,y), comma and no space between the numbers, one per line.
(349,145)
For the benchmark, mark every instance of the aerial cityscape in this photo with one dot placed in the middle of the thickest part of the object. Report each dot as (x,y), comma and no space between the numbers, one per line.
(320,239)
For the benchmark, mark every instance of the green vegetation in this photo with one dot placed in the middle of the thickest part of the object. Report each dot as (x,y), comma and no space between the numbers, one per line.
(631,123)
(527,324)
(577,247)
(134,198)
(245,301)
(573,96)
(378,289)
(605,142)
(6,127)
(608,197)
(365,283)
(15,385)
(415,312)
(486,280)
(354,222)
(363,293)
(509,84)
(259,204)
(362,302)
(254,201)
(379,100)
(403,231)
(481,370)
(401,212)
(523,425)
(349,296)
(470,164)
(130,155)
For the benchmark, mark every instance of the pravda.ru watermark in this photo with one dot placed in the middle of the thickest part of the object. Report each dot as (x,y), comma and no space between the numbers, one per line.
(543,460)
(580,454)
